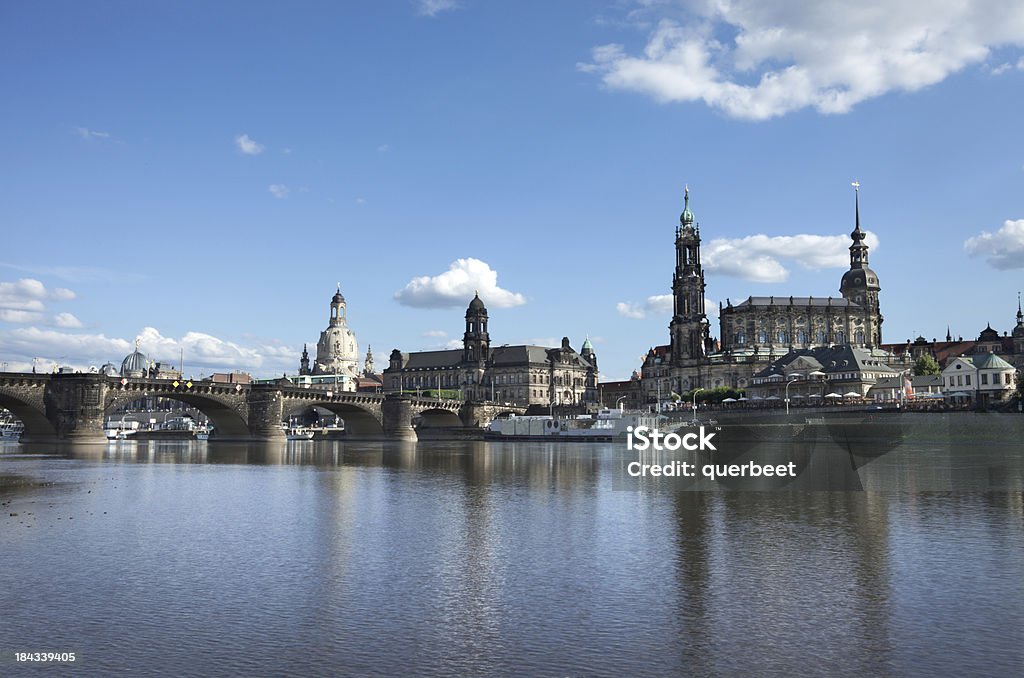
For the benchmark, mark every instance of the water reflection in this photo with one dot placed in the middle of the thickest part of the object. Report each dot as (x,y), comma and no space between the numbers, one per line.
(476,558)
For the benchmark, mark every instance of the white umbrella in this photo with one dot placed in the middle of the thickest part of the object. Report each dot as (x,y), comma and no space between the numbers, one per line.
(729,400)
(833,395)
(743,399)
(757,398)
(773,398)
(798,396)
(852,394)
(814,395)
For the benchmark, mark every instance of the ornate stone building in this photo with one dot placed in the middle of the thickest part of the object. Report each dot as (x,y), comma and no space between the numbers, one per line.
(524,375)
(337,353)
(758,330)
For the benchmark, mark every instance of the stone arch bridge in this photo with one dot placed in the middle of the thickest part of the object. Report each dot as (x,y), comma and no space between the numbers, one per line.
(73,407)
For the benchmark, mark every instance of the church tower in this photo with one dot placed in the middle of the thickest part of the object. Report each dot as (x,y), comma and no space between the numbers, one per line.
(689,327)
(860,285)
(476,342)
(368,362)
(337,352)
(304,361)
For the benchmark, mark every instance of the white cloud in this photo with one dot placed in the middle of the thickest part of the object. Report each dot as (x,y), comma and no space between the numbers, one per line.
(23,301)
(91,134)
(360,201)
(658,304)
(1020,64)
(456,286)
(279,191)
(247,145)
(435,334)
(1001,68)
(756,60)
(435,7)
(204,353)
(67,320)
(759,258)
(1003,249)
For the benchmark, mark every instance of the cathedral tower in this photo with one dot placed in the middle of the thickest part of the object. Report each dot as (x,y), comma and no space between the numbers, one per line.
(689,327)
(476,342)
(860,285)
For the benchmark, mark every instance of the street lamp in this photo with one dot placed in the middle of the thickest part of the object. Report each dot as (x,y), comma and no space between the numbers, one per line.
(619,401)
(789,382)
(695,391)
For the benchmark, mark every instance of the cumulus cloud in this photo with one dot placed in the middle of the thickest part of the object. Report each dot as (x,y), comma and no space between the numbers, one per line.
(247,145)
(279,191)
(455,287)
(204,353)
(756,60)
(435,334)
(24,301)
(434,7)
(67,320)
(1004,249)
(759,258)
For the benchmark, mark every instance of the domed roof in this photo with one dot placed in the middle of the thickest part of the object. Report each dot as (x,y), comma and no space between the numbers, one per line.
(477,304)
(686,218)
(860,277)
(134,362)
(587,346)
(109,370)
(337,298)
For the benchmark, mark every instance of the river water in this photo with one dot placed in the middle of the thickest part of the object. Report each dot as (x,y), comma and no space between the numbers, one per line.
(481,559)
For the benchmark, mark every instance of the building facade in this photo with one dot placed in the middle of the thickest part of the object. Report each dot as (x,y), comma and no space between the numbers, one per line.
(521,375)
(758,330)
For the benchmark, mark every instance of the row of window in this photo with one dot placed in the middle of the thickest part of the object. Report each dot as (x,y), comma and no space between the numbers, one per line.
(802,337)
(966,379)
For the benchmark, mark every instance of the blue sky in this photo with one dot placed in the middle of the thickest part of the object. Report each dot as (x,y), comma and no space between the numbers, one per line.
(202,174)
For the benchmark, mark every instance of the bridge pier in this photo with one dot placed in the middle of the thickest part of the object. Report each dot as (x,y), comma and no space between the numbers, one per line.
(396,412)
(266,412)
(74,404)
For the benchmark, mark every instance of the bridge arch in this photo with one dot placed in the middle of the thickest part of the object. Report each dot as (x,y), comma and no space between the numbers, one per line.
(31,414)
(359,421)
(437,417)
(227,421)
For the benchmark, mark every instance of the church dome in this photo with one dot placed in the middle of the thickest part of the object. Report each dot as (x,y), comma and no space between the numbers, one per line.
(477,304)
(587,346)
(109,370)
(133,362)
(860,277)
(338,298)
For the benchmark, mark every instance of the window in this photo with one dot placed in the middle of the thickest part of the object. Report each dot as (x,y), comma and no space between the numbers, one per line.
(801,337)
(762,337)
(782,336)
(820,339)
(959,380)
(840,337)
(741,338)
(859,337)
(967,380)
(1006,378)
(984,379)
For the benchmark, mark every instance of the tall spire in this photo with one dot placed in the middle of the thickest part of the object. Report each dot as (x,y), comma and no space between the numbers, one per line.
(1020,316)
(686,218)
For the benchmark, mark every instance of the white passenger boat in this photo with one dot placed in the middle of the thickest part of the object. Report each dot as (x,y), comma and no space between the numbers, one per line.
(300,433)
(609,424)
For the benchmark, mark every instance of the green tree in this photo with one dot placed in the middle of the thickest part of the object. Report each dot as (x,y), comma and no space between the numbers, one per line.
(925,365)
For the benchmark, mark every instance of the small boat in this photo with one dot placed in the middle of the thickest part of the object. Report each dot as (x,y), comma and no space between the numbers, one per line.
(202,433)
(300,433)
(11,430)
